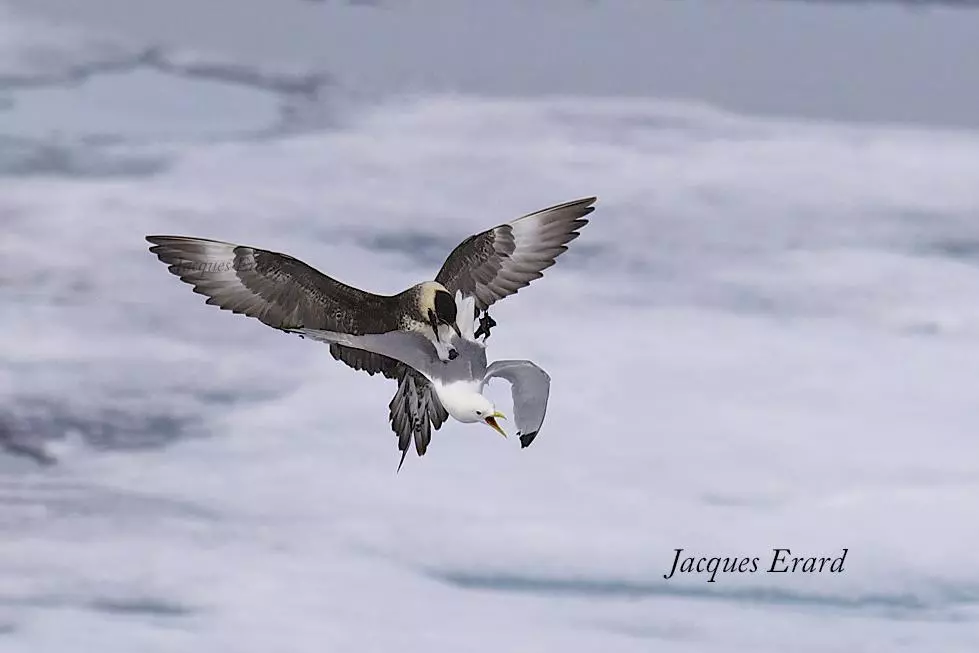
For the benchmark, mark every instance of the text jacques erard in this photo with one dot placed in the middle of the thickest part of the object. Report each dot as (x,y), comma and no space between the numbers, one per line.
(779,561)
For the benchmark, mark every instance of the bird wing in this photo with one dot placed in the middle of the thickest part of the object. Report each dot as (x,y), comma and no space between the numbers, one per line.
(415,409)
(500,261)
(281,291)
(529,388)
(367,361)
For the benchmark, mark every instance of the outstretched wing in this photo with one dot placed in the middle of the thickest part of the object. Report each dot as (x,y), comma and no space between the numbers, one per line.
(502,260)
(281,291)
(415,408)
(529,388)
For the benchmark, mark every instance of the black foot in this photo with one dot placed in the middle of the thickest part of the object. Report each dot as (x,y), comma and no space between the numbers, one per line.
(485,324)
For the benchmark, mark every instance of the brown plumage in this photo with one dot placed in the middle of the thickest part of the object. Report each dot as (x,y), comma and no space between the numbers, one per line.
(285,293)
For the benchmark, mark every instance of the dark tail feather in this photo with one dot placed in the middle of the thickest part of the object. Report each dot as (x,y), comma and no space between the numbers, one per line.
(404,454)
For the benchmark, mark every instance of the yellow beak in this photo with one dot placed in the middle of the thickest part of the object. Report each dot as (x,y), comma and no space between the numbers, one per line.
(491,420)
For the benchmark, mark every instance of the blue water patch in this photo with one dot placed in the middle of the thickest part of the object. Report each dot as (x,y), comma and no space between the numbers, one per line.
(145,605)
(896,605)
(80,158)
(965,249)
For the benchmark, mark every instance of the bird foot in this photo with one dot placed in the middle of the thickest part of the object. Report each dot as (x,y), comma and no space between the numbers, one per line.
(485,324)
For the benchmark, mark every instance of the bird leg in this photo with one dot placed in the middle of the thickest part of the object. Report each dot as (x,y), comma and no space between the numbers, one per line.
(485,324)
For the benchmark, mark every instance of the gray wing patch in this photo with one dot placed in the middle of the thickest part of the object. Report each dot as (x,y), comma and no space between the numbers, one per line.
(530,387)
(500,261)
(415,408)
(281,291)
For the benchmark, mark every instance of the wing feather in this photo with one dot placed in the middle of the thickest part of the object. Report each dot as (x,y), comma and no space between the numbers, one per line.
(500,261)
(414,411)
(415,408)
(281,291)
(530,387)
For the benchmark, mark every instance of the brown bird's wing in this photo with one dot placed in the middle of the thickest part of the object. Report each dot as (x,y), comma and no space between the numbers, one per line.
(281,291)
(500,261)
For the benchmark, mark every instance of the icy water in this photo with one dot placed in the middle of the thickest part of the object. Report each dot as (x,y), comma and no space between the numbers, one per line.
(767,336)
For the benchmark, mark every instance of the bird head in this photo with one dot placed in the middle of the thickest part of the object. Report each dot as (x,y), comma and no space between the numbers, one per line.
(481,409)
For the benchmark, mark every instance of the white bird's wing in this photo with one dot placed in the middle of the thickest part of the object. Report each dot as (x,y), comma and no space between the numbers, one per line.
(500,261)
(530,387)
(409,347)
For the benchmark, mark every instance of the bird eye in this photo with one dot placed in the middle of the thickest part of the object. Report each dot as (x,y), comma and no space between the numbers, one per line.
(479,412)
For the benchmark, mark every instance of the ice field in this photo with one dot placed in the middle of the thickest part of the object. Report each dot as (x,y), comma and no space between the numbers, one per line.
(767,336)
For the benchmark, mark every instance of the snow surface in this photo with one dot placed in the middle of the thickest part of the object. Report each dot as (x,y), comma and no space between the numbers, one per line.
(768,336)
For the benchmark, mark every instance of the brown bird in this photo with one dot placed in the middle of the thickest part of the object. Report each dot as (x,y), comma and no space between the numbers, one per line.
(287,294)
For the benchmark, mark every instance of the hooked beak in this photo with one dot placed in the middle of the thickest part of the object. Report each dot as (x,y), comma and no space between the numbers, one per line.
(491,420)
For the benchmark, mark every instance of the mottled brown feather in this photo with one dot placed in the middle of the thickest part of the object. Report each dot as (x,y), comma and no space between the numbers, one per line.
(281,291)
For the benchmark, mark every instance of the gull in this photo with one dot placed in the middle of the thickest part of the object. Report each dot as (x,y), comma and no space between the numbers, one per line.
(455,387)
(374,333)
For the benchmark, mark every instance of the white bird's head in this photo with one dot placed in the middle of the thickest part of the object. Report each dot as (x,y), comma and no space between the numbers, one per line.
(475,407)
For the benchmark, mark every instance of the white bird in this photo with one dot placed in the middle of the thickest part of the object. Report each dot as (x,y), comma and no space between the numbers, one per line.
(457,384)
